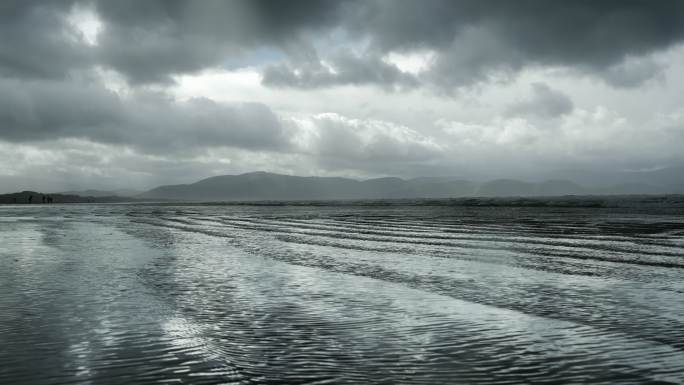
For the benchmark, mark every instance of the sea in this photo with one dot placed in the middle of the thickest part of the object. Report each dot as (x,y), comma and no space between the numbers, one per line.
(340,293)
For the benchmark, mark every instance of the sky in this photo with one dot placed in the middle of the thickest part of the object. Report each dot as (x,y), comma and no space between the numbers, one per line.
(130,94)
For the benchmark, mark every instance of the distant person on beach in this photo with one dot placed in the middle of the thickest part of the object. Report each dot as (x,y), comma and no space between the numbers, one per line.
(43,198)
(49,199)
(30,198)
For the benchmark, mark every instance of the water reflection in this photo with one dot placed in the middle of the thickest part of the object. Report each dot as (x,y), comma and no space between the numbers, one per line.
(201,294)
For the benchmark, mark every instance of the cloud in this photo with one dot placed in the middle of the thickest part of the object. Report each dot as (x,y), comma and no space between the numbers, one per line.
(343,69)
(321,144)
(632,72)
(544,103)
(357,87)
(40,110)
(38,41)
(596,138)
(472,41)
(346,145)
(177,37)
(366,140)
(480,37)
(44,112)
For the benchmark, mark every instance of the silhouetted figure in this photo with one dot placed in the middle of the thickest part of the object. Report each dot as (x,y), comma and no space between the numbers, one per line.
(30,200)
(43,198)
(49,199)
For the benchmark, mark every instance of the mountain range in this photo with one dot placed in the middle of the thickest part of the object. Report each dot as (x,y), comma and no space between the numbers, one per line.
(269,186)
(264,186)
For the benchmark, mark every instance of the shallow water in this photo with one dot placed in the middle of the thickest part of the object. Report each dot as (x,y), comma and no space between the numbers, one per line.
(120,294)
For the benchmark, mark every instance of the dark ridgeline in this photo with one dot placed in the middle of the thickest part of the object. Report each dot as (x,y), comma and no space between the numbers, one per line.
(27,197)
(264,186)
(269,186)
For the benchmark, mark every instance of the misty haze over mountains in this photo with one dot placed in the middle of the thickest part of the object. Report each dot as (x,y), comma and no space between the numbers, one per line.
(104,193)
(270,186)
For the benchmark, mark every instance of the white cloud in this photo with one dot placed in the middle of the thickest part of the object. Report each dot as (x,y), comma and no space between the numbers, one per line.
(412,62)
(86,21)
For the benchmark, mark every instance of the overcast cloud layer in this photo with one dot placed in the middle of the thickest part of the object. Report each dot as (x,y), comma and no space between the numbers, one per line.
(107,94)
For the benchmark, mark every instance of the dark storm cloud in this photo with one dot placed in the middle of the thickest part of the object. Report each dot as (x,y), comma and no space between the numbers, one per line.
(37,40)
(588,34)
(582,31)
(149,41)
(37,111)
(152,40)
(269,19)
(473,39)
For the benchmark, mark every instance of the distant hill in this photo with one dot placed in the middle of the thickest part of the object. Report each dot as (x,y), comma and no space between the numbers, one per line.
(267,186)
(37,198)
(264,186)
